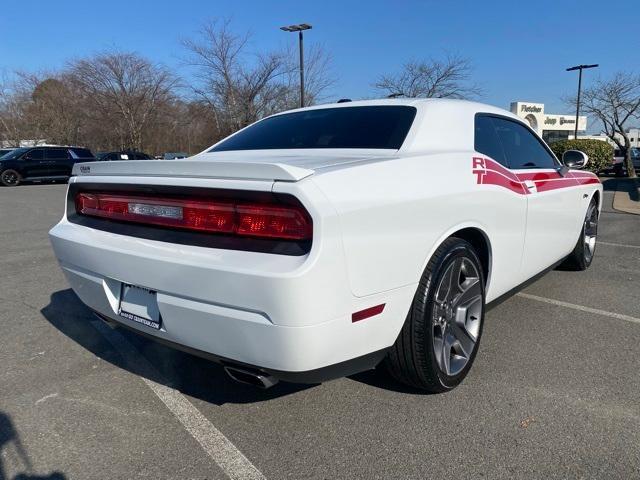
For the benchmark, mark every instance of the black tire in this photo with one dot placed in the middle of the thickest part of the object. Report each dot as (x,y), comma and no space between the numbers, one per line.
(412,359)
(10,178)
(582,255)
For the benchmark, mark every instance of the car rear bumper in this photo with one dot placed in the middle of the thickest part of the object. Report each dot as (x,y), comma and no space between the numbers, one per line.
(318,375)
(290,316)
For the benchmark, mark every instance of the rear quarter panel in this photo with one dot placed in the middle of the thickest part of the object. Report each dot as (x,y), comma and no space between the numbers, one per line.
(395,213)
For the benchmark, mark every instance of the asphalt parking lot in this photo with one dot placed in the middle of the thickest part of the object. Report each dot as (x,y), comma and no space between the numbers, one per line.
(554,392)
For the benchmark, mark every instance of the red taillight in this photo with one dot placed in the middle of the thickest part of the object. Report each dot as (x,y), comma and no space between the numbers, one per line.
(280,221)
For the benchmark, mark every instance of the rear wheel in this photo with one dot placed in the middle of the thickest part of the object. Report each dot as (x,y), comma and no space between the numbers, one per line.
(585,249)
(440,337)
(10,178)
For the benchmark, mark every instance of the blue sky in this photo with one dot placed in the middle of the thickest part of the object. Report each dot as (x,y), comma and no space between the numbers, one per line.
(519,49)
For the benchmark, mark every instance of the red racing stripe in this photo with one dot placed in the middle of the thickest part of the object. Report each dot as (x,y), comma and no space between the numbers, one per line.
(494,178)
(490,172)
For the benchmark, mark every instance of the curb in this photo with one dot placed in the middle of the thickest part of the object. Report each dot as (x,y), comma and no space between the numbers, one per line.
(627,196)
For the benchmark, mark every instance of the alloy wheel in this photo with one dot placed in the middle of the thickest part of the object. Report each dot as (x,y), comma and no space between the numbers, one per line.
(10,178)
(457,314)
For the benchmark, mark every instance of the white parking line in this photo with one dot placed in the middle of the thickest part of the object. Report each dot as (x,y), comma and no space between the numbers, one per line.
(215,444)
(619,316)
(618,244)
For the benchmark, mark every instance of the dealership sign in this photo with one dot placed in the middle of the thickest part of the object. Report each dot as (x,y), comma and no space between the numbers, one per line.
(533,114)
(530,108)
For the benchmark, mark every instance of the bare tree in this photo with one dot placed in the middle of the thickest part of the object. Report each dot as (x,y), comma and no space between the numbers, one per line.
(318,78)
(55,110)
(11,109)
(448,78)
(125,91)
(182,127)
(18,117)
(240,87)
(614,103)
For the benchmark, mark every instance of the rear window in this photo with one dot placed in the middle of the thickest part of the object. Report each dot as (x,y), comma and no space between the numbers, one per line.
(81,153)
(347,127)
(56,154)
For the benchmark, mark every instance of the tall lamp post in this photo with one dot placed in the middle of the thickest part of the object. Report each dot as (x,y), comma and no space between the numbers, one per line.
(299,28)
(570,69)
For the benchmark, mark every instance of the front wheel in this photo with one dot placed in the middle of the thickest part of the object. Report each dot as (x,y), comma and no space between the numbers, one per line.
(440,337)
(10,178)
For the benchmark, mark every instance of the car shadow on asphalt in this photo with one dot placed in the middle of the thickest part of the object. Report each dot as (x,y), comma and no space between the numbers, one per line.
(191,375)
(628,185)
(31,183)
(609,184)
(379,378)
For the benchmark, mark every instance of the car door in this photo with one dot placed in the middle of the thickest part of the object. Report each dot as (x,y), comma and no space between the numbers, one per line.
(505,200)
(553,200)
(32,164)
(58,162)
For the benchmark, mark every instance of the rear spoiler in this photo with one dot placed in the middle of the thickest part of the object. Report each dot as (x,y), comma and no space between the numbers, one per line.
(193,169)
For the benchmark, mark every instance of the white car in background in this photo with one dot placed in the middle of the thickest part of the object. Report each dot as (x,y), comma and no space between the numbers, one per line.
(323,241)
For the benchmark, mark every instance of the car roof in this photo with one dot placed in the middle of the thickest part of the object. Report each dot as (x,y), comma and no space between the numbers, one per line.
(441,124)
(419,103)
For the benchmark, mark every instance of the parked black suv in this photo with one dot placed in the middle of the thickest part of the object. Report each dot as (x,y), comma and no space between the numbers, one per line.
(40,163)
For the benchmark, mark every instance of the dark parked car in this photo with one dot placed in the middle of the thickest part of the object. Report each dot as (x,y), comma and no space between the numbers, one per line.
(122,155)
(175,155)
(618,167)
(40,163)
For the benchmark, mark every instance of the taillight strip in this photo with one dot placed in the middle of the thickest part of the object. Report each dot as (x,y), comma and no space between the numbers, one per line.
(262,220)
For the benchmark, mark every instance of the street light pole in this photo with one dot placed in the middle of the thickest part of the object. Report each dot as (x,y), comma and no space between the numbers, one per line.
(301,47)
(299,28)
(580,68)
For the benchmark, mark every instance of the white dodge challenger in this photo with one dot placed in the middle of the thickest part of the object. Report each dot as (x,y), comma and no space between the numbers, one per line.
(325,241)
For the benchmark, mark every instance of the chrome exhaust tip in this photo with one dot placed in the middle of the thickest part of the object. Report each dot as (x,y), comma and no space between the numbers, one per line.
(249,377)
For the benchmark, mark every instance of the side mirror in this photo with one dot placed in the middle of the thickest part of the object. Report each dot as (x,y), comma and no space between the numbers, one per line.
(574,159)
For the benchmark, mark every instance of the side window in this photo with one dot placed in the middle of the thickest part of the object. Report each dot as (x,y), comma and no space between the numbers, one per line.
(486,140)
(521,148)
(36,154)
(56,154)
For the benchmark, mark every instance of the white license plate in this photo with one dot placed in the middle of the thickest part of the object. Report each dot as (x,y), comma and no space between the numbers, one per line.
(140,305)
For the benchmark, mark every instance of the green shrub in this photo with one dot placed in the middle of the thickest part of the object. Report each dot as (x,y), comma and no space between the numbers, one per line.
(600,153)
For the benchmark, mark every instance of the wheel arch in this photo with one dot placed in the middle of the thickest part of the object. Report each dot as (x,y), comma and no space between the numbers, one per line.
(480,242)
(477,236)
(596,195)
